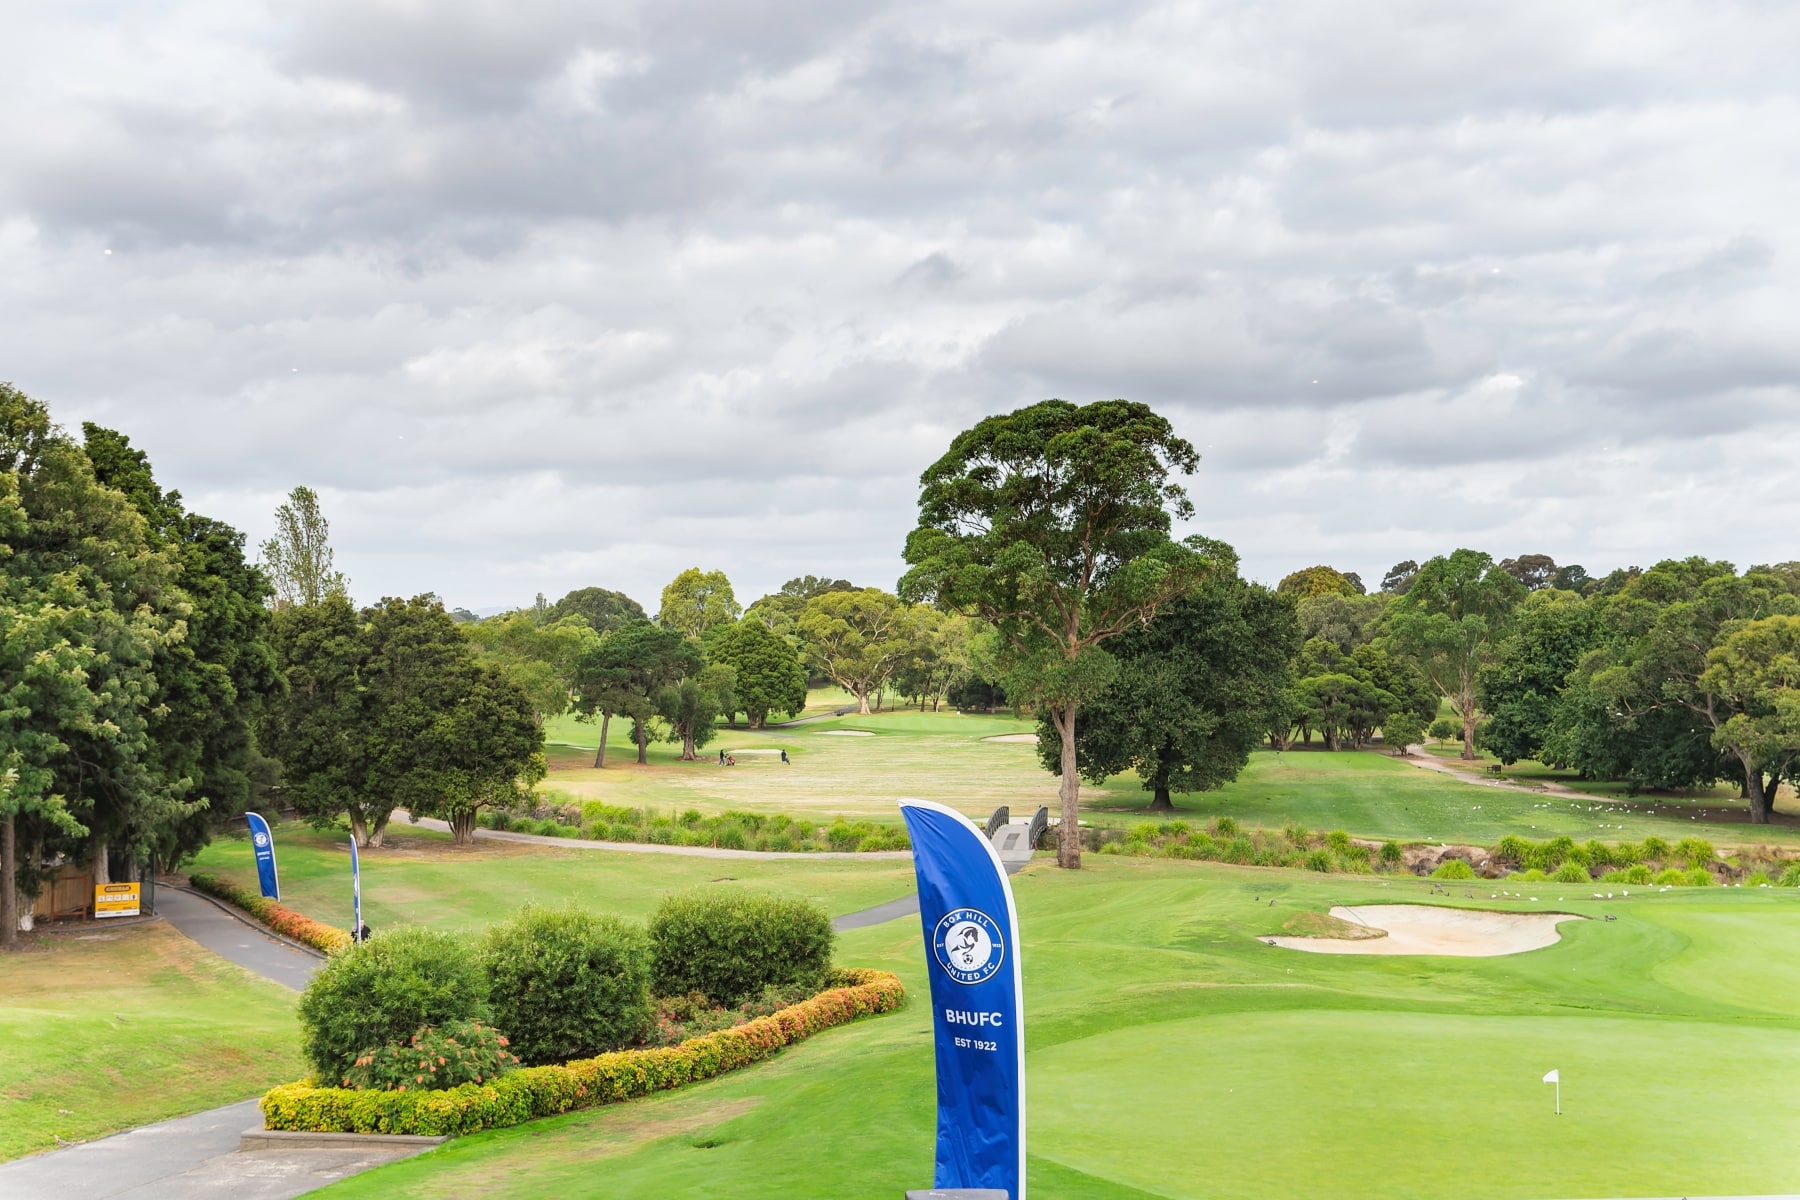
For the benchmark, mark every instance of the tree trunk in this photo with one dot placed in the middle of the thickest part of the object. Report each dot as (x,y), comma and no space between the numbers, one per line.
(1068,833)
(643,743)
(102,868)
(1331,737)
(1162,803)
(687,744)
(758,720)
(359,828)
(600,754)
(380,830)
(462,826)
(9,886)
(1761,798)
(862,703)
(1467,713)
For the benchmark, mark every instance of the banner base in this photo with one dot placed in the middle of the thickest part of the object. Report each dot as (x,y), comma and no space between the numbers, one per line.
(959,1194)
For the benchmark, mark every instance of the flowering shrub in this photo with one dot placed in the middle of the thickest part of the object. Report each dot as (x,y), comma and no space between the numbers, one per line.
(532,1092)
(284,921)
(435,1058)
(679,1018)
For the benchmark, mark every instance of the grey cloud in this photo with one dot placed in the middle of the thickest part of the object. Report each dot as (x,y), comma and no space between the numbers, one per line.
(587,294)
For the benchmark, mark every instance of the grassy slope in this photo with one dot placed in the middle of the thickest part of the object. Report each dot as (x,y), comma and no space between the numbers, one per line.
(943,757)
(128,1026)
(423,879)
(1171,1054)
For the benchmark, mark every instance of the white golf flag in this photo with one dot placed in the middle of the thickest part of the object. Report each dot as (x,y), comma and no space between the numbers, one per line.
(1553,1077)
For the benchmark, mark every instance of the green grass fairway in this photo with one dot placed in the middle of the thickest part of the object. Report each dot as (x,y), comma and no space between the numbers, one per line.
(1171,1054)
(944,757)
(423,879)
(121,1027)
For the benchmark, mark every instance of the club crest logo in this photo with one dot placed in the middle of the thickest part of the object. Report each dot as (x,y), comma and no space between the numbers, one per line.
(261,840)
(968,945)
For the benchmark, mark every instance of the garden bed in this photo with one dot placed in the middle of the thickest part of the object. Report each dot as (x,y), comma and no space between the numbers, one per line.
(532,1092)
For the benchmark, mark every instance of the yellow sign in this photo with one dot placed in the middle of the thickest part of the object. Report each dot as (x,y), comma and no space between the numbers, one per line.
(115,899)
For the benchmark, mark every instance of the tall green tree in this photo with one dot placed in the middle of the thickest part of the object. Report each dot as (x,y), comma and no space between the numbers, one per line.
(1753,677)
(1194,693)
(768,674)
(626,672)
(1452,620)
(1052,524)
(299,559)
(858,638)
(1522,688)
(696,601)
(317,728)
(86,603)
(539,657)
(1666,625)
(604,610)
(214,683)
(693,704)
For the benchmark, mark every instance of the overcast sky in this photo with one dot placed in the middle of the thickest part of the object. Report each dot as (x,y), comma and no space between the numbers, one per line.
(542,295)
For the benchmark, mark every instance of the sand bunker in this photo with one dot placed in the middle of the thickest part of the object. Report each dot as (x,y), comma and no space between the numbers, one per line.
(845,733)
(1426,929)
(1012,737)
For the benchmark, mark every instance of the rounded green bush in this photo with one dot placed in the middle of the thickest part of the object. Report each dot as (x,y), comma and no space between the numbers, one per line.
(1225,827)
(435,1059)
(1654,848)
(1671,876)
(566,983)
(1695,852)
(1572,872)
(1511,850)
(1390,854)
(1445,730)
(730,945)
(1318,860)
(1790,875)
(383,991)
(1699,877)
(1453,868)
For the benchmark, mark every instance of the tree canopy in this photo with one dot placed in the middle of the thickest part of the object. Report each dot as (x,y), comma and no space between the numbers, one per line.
(1194,692)
(299,559)
(1052,524)
(696,601)
(1453,619)
(602,609)
(857,638)
(1320,581)
(768,674)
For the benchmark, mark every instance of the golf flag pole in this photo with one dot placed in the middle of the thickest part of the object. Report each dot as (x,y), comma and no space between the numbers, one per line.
(262,839)
(1556,1078)
(356,924)
(972,960)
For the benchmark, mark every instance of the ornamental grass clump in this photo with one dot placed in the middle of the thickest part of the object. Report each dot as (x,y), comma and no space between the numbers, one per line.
(382,991)
(1572,872)
(433,1059)
(565,983)
(1453,868)
(730,945)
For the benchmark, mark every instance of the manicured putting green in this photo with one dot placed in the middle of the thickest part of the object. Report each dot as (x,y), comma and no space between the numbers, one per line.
(1170,1053)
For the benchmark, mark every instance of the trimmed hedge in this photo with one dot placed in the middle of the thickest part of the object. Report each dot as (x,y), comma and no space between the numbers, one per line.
(533,1092)
(385,990)
(284,921)
(564,983)
(730,945)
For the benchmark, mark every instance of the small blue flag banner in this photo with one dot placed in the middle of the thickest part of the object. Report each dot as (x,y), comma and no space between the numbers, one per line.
(262,840)
(972,959)
(355,891)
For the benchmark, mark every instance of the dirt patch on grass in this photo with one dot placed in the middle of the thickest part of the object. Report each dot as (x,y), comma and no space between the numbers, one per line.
(535,1151)
(1427,929)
